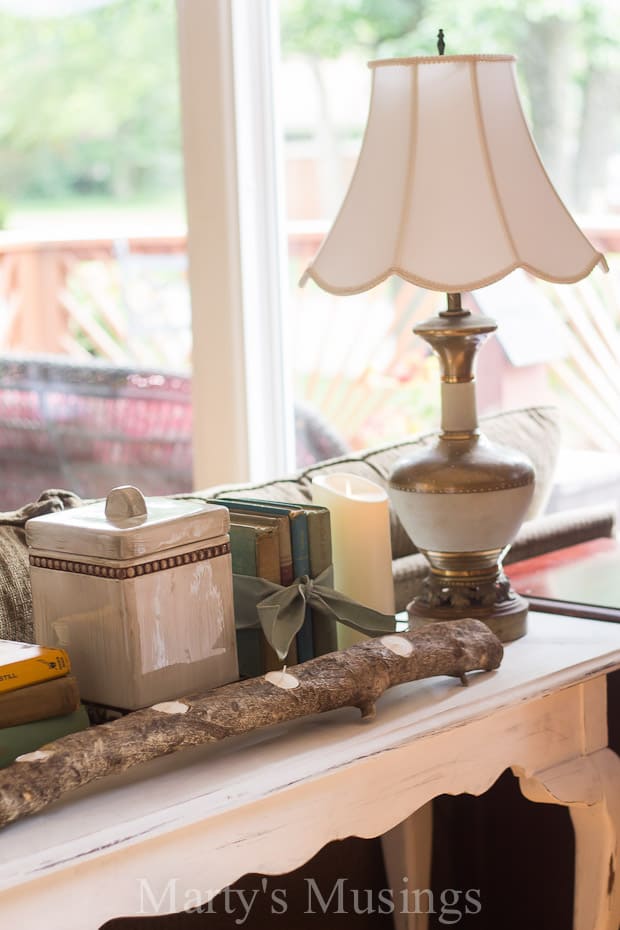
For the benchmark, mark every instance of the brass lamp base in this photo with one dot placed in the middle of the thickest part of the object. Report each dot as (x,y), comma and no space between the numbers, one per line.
(463,498)
(494,602)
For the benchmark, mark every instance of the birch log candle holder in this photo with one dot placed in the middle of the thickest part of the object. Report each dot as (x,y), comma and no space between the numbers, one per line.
(356,677)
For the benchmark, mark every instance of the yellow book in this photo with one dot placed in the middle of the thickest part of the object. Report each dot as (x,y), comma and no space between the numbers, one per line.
(23,664)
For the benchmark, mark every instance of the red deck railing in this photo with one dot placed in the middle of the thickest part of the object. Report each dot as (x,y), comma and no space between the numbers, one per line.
(38,306)
(42,316)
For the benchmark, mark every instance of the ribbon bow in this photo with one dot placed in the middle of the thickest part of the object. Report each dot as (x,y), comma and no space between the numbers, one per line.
(281,611)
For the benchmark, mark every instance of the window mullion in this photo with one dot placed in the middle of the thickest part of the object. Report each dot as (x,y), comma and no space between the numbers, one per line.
(242,414)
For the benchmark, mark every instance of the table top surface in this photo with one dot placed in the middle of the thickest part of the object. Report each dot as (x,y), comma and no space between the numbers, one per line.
(587,573)
(201,783)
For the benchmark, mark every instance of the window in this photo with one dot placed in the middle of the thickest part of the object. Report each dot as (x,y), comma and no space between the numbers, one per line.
(103,140)
(95,330)
(359,376)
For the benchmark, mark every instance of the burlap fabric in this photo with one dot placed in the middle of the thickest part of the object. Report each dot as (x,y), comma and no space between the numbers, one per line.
(15,594)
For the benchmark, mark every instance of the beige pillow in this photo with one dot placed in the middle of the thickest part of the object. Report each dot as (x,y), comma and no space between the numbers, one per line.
(532,430)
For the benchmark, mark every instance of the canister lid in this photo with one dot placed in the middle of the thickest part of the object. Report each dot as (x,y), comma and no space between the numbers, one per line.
(127,525)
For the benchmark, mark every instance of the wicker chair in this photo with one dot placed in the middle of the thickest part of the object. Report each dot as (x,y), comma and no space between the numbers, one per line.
(89,427)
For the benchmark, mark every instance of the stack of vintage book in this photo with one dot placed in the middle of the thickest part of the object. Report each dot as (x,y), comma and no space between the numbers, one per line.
(279,542)
(39,698)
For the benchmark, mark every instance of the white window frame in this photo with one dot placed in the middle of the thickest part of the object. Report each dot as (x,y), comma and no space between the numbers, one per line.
(242,398)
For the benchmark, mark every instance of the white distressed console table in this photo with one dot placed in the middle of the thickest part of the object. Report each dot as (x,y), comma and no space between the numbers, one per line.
(269,801)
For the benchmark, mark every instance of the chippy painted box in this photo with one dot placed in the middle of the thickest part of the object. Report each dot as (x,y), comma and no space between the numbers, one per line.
(139,592)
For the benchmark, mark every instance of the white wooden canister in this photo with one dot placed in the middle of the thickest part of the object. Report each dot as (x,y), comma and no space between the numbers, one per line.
(139,593)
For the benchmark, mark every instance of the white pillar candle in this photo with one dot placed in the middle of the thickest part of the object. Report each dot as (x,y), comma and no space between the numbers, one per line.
(361,545)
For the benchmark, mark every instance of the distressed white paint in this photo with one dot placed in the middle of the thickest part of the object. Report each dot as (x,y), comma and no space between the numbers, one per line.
(237,805)
(87,531)
(407,852)
(143,639)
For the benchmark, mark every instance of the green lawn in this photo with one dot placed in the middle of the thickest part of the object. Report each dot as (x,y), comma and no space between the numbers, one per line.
(91,214)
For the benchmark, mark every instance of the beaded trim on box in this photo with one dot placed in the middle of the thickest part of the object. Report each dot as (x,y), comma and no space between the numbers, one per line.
(132,571)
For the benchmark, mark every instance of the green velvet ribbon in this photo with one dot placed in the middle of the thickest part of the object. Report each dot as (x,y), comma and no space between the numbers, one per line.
(280,611)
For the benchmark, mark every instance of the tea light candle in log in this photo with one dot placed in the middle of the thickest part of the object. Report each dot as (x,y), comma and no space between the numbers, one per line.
(282,679)
(361,544)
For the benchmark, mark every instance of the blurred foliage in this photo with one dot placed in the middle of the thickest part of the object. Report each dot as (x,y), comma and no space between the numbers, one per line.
(89,103)
(326,29)
(568,52)
(329,28)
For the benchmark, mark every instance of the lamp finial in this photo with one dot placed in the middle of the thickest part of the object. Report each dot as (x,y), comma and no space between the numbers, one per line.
(441,45)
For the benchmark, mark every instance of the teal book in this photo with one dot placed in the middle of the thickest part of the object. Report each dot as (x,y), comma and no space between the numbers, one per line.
(301,566)
(15,741)
(300,546)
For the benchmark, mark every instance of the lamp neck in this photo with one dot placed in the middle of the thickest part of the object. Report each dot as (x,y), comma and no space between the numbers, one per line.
(454,306)
(455,335)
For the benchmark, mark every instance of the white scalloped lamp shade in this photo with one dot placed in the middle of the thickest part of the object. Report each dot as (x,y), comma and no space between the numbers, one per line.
(449,191)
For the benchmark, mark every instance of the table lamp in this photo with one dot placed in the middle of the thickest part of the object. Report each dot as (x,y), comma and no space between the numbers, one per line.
(449,192)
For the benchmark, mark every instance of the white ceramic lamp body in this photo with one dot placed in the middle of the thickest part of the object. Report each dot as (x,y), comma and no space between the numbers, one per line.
(465,518)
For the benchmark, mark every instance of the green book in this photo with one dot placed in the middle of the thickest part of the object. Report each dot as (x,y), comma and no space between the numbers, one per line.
(281,523)
(15,741)
(298,522)
(312,554)
(255,551)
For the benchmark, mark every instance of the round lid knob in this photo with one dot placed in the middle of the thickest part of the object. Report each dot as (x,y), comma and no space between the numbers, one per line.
(125,504)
